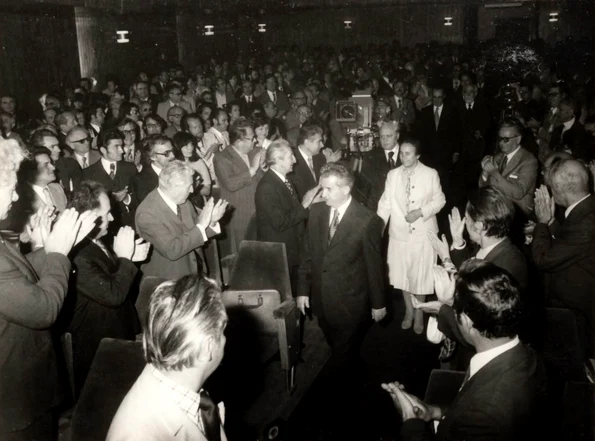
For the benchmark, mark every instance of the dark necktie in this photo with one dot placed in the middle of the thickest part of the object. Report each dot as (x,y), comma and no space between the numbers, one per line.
(436,117)
(503,164)
(210,417)
(391,160)
(334,223)
(112,171)
(180,214)
(85,165)
(290,187)
(469,108)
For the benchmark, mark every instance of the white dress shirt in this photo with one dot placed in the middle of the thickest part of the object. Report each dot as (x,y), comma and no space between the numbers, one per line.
(567,125)
(341,209)
(107,164)
(511,154)
(480,359)
(569,209)
(41,194)
(439,111)
(79,159)
(221,99)
(156,169)
(272,96)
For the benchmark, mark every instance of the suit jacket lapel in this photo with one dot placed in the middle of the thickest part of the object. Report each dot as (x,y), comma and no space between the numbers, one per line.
(11,250)
(282,184)
(107,260)
(324,220)
(235,157)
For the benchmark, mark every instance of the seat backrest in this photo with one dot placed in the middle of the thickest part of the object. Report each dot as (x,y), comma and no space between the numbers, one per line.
(561,348)
(147,286)
(261,266)
(254,306)
(443,387)
(579,411)
(116,366)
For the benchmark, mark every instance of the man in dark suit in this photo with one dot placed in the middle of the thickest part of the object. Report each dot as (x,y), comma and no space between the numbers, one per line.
(565,251)
(115,175)
(157,153)
(169,221)
(374,165)
(438,129)
(32,291)
(513,170)
(309,160)
(272,94)
(99,304)
(571,135)
(402,107)
(248,102)
(341,270)
(320,107)
(280,216)
(503,389)
(79,141)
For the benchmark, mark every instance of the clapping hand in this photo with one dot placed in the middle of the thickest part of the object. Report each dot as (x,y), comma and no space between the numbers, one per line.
(40,225)
(439,246)
(218,211)
(69,229)
(206,214)
(332,156)
(124,243)
(121,195)
(141,250)
(544,205)
(409,405)
(444,285)
(488,166)
(457,226)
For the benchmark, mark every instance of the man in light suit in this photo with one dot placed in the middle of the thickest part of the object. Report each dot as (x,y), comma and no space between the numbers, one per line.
(177,231)
(504,388)
(513,170)
(403,108)
(174,93)
(280,216)
(341,268)
(565,251)
(239,169)
(115,175)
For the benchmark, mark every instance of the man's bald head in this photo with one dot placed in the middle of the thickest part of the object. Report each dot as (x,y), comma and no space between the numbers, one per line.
(569,180)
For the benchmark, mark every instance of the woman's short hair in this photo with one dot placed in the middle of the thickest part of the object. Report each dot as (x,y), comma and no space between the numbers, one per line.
(490,207)
(174,174)
(183,316)
(490,297)
(182,139)
(86,197)
(239,130)
(11,156)
(339,171)
(275,150)
(307,132)
(157,119)
(412,141)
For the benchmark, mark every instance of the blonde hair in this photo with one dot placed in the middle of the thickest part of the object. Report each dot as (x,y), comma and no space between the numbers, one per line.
(11,156)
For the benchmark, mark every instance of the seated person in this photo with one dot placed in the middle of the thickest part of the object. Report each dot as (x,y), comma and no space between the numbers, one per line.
(505,383)
(183,343)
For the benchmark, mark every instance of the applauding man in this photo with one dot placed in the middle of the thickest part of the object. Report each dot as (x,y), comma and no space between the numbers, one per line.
(177,231)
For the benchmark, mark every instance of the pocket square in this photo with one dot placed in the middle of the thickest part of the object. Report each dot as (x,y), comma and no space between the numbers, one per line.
(513,177)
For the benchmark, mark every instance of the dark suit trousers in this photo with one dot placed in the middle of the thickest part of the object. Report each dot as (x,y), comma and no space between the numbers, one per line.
(44,428)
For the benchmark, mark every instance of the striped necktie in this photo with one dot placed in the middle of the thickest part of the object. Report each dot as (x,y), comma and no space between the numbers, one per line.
(334,223)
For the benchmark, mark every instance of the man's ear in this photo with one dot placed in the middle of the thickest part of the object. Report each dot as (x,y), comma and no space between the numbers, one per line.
(103,151)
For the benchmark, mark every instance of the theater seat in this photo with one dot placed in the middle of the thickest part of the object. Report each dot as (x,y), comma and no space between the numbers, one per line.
(116,366)
(579,411)
(443,387)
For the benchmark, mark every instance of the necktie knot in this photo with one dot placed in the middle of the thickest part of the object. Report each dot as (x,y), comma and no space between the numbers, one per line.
(289,187)
(84,161)
(112,170)
(391,159)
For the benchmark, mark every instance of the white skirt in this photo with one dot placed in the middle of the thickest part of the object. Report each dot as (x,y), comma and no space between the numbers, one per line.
(410,266)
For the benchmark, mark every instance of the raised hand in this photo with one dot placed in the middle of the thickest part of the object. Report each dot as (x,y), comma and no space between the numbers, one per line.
(310,196)
(124,243)
(219,211)
(440,246)
(87,222)
(444,285)
(63,234)
(303,302)
(205,216)
(457,227)
(544,205)
(141,250)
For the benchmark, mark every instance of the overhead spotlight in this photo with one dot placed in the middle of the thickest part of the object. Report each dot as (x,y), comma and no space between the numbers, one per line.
(122,37)
(209,30)
(553,17)
(347,24)
(262,27)
(447,21)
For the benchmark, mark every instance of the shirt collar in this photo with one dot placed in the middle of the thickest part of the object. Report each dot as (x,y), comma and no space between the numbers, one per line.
(107,164)
(39,191)
(480,359)
(304,155)
(186,399)
(283,178)
(157,170)
(439,108)
(342,208)
(483,252)
(511,154)
(569,209)
(96,127)
(395,150)
(171,204)
(568,124)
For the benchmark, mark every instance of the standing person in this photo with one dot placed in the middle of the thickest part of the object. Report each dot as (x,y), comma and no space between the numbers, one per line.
(238,171)
(29,384)
(411,199)
(185,150)
(341,269)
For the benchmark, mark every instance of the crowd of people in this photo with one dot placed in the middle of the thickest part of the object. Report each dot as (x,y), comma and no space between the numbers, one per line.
(474,203)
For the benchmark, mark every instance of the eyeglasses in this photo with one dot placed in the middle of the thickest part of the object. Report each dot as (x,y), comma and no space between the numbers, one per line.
(87,139)
(165,153)
(253,139)
(505,139)
(128,132)
(152,126)
(177,115)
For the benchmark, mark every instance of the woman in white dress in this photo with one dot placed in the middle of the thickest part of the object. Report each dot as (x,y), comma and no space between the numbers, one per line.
(412,197)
